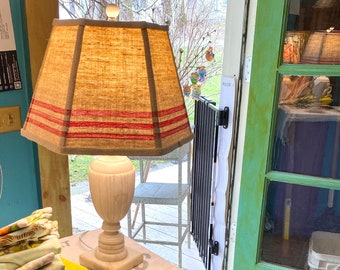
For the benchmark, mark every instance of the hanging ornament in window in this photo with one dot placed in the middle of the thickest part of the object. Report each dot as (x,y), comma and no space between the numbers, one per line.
(194,77)
(196,90)
(202,72)
(209,54)
(186,90)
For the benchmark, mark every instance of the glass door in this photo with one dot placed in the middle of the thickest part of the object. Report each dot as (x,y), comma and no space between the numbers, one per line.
(303,200)
(297,184)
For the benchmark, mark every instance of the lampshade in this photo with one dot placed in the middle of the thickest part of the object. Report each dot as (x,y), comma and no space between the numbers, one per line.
(108,88)
(322,48)
(326,3)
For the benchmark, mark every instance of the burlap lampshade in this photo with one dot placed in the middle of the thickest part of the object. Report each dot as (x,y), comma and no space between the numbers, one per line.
(108,88)
(322,48)
(326,3)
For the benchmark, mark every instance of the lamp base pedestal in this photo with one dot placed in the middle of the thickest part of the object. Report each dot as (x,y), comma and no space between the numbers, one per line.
(89,260)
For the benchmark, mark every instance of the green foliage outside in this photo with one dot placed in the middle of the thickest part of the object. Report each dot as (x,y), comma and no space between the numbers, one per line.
(79,167)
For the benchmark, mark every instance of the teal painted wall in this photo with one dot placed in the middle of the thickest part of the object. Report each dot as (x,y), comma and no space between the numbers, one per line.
(18,156)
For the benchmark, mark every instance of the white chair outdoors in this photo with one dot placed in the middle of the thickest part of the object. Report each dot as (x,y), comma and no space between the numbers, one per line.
(162,193)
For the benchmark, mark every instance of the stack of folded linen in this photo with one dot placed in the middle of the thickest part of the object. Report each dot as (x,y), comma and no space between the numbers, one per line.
(31,243)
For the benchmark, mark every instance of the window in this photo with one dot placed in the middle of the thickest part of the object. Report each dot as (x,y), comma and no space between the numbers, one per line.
(302,190)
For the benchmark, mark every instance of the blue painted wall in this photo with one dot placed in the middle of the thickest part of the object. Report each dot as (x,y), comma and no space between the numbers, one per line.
(18,156)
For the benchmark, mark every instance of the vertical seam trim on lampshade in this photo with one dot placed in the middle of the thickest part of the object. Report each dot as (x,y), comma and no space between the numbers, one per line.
(152,87)
(176,70)
(321,47)
(74,69)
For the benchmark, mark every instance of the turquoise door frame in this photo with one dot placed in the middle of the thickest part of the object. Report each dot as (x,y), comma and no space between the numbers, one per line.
(18,156)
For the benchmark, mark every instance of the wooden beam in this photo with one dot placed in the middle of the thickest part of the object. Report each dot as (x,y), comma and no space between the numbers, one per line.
(54,173)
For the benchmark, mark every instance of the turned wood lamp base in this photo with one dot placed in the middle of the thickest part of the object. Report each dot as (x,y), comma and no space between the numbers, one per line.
(112,183)
(90,261)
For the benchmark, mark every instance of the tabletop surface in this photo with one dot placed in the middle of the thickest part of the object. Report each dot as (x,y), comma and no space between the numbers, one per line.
(73,246)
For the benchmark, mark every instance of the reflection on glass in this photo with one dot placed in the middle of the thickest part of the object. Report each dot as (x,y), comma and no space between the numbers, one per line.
(293,214)
(306,91)
(307,131)
(312,34)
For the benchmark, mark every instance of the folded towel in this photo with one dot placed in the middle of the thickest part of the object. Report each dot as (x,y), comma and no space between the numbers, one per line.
(28,237)
(38,263)
(36,215)
(15,260)
(57,264)
(31,243)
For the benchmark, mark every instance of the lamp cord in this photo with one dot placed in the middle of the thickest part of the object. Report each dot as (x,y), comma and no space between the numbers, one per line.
(81,236)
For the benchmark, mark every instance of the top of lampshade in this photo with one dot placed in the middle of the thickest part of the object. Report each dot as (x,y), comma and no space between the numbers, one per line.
(108,88)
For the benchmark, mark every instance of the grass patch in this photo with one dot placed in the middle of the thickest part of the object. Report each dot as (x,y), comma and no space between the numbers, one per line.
(79,167)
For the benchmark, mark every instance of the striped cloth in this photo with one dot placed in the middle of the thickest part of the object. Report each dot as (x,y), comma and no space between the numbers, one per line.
(31,243)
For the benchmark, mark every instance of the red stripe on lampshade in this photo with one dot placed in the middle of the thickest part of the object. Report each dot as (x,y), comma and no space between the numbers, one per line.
(94,135)
(48,117)
(132,114)
(116,136)
(49,107)
(122,114)
(172,120)
(111,136)
(62,124)
(73,124)
(98,124)
(125,114)
(133,125)
(89,135)
(45,127)
(173,131)
(169,111)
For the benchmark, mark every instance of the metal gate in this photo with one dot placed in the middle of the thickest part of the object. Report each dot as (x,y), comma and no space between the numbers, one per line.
(207,120)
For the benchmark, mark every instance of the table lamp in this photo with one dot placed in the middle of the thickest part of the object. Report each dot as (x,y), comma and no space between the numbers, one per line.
(108,88)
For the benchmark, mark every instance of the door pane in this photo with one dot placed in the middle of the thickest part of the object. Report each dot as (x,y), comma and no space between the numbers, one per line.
(293,214)
(307,134)
(312,32)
